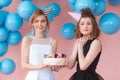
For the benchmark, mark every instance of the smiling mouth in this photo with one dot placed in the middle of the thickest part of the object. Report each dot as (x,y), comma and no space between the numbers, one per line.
(85,30)
(40,27)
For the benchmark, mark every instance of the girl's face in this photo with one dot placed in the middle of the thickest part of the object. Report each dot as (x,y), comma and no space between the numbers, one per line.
(85,26)
(40,23)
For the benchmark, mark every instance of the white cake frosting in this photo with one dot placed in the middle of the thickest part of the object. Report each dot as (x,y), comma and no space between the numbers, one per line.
(54,61)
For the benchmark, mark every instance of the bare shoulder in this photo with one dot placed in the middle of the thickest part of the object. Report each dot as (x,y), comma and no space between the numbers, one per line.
(54,41)
(96,42)
(26,39)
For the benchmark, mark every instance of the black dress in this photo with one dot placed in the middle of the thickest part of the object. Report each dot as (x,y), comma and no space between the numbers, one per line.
(89,73)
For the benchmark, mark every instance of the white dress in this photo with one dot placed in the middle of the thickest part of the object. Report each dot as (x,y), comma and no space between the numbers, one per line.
(38,48)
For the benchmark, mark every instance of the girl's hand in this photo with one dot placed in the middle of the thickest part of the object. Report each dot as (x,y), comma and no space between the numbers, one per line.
(47,66)
(57,67)
(82,41)
(75,45)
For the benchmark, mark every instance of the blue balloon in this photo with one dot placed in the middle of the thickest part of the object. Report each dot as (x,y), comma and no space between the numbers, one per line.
(109,23)
(43,7)
(71,1)
(71,4)
(114,2)
(72,7)
(3,48)
(50,17)
(14,38)
(7,66)
(56,8)
(67,31)
(4,13)
(3,33)
(84,4)
(1,7)
(26,9)
(100,9)
(13,22)
(4,3)
(1,18)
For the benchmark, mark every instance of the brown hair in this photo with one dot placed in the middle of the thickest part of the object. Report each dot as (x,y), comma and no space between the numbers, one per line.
(37,13)
(86,12)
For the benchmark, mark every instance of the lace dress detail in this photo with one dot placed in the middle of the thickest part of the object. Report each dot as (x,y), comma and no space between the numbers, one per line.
(38,48)
(90,73)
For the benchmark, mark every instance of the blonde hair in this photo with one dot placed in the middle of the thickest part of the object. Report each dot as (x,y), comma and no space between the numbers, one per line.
(86,12)
(37,13)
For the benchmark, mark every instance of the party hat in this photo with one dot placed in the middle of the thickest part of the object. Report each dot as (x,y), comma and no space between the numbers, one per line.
(48,10)
(75,16)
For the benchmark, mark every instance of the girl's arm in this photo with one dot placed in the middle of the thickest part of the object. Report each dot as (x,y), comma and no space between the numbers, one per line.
(54,45)
(94,50)
(72,60)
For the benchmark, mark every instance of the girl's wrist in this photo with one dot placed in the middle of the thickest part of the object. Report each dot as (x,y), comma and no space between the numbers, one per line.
(80,47)
(56,70)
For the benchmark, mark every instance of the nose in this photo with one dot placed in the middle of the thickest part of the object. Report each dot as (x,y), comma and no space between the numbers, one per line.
(40,23)
(86,25)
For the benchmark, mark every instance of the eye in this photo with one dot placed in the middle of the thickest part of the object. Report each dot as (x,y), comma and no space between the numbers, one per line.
(43,20)
(35,20)
(82,23)
(89,23)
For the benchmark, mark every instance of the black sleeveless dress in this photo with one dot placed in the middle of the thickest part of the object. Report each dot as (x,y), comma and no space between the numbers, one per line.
(89,73)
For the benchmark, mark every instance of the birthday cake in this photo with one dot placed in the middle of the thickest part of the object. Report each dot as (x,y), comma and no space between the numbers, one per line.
(54,59)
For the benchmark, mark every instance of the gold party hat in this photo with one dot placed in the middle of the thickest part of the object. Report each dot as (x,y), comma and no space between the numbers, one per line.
(48,10)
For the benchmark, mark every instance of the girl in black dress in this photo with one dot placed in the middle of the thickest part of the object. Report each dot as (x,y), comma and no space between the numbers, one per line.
(87,48)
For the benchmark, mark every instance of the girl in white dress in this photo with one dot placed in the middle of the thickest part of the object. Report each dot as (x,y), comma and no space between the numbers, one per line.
(34,48)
